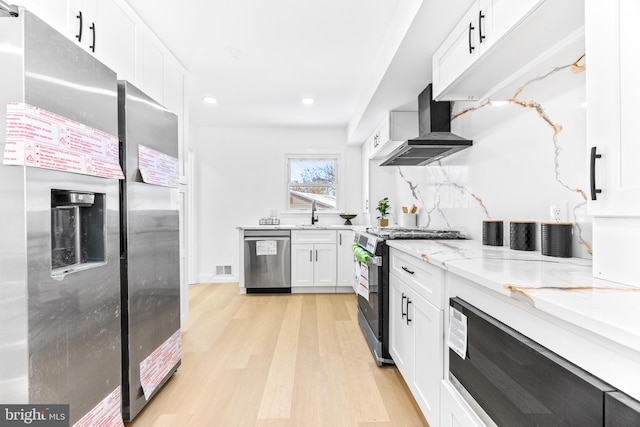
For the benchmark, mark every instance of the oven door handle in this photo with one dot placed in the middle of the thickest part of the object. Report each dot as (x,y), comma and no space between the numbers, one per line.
(375,260)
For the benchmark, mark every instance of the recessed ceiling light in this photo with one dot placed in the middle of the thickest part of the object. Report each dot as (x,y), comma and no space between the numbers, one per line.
(210,100)
(308,101)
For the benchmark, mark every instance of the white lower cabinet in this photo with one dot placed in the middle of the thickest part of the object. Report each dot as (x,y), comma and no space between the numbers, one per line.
(301,265)
(454,412)
(324,264)
(313,258)
(416,344)
(428,357)
(346,271)
(400,341)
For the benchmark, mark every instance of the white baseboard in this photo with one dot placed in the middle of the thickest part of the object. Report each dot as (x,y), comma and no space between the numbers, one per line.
(322,290)
(212,278)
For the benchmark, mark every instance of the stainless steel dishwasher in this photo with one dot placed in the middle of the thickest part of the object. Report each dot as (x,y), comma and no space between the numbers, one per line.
(267,261)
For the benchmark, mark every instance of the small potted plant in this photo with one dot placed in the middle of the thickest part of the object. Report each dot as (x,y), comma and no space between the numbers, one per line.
(383,208)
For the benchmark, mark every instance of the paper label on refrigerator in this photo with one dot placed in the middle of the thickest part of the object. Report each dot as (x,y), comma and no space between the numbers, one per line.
(106,413)
(158,364)
(363,280)
(266,247)
(458,332)
(157,167)
(42,139)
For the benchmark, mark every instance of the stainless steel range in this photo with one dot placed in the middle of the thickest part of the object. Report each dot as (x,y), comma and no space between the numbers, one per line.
(373,302)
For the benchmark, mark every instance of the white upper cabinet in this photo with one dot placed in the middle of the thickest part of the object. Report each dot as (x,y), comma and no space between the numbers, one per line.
(152,66)
(612,35)
(54,12)
(173,90)
(613,128)
(117,36)
(106,28)
(364,152)
(496,41)
(394,128)
(497,17)
(113,39)
(458,51)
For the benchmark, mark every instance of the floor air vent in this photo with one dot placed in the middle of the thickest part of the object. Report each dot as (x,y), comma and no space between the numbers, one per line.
(223,270)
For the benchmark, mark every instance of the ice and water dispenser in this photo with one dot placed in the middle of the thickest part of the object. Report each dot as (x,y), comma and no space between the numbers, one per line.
(77,231)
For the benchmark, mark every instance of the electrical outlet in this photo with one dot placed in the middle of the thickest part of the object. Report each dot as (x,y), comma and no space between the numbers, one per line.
(557,213)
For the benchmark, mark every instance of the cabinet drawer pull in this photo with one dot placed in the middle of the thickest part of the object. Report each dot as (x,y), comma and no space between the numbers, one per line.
(79,35)
(404,297)
(316,255)
(408,302)
(310,256)
(407,270)
(480,18)
(592,173)
(93,43)
(471,47)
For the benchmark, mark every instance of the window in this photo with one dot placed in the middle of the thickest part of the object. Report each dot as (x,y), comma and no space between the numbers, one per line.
(312,179)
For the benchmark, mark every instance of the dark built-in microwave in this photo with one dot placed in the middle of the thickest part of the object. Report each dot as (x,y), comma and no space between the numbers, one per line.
(511,380)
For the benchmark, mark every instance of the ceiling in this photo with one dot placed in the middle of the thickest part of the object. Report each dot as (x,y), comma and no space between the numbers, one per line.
(358,59)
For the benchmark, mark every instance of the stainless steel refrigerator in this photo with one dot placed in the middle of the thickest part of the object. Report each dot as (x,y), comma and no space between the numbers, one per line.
(60,340)
(150,267)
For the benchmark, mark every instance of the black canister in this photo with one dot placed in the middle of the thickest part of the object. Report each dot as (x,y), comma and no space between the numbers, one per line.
(557,239)
(492,232)
(522,235)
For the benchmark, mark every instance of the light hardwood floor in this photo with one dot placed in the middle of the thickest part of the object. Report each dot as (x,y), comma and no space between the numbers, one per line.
(277,360)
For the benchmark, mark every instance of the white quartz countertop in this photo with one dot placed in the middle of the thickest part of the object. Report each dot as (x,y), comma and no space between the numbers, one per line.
(300,227)
(562,287)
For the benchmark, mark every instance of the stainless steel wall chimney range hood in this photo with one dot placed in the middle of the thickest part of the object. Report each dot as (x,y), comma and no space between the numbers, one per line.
(435,141)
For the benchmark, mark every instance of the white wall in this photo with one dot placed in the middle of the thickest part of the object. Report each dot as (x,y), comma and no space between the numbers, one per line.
(241,177)
(510,171)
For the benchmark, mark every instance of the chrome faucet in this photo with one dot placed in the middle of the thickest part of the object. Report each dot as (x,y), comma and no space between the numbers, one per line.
(314,218)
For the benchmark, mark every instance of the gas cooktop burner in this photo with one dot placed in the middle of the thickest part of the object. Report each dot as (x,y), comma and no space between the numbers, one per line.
(390,233)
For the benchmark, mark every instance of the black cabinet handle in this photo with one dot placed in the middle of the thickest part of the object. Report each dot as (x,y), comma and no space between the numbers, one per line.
(404,297)
(592,173)
(480,18)
(316,255)
(93,29)
(407,270)
(340,238)
(471,47)
(310,256)
(408,302)
(79,35)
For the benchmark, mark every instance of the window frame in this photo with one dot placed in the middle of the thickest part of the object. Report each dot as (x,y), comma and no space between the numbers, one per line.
(332,156)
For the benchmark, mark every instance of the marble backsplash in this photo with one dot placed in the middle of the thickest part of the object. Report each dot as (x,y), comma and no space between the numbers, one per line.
(529,152)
